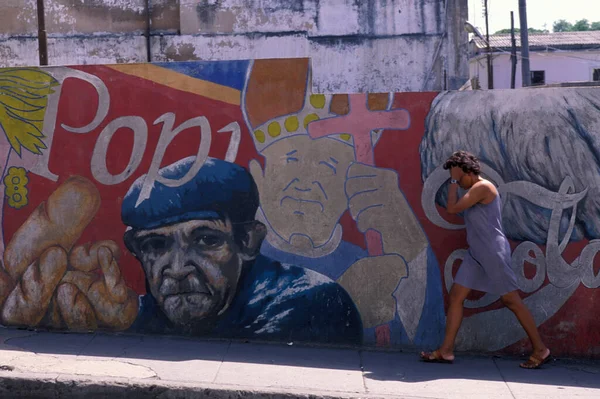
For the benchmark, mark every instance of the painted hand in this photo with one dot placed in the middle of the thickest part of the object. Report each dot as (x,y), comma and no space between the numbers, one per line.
(376,202)
(371,283)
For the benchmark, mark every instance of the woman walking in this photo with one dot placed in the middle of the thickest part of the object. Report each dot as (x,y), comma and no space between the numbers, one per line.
(486,267)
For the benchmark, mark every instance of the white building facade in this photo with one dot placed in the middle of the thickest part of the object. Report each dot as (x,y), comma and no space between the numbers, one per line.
(555,58)
(354,45)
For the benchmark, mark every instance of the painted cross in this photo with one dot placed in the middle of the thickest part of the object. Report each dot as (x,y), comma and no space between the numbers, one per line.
(359,123)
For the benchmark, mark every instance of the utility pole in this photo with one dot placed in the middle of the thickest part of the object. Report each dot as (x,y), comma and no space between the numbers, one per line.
(148,27)
(42,38)
(490,67)
(525,68)
(513,54)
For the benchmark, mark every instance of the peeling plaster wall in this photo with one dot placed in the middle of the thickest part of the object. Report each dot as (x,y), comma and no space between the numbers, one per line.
(91,16)
(18,17)
(225,47)
(375,65)
(243,16)
(19,52)
(124,49)
(85,17)
(355,45)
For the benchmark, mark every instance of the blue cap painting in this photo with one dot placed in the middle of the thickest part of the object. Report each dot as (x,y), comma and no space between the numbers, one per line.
(220,189)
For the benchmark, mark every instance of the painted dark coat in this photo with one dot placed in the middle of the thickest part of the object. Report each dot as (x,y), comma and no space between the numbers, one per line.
(275,302)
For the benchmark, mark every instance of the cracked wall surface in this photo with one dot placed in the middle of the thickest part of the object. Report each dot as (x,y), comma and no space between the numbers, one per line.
(356,46)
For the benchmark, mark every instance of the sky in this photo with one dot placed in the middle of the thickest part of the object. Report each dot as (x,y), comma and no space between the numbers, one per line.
(539,12)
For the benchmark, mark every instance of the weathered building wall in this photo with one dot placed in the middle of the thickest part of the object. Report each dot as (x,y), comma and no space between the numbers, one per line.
(356,46)
(558,67)
(227,199)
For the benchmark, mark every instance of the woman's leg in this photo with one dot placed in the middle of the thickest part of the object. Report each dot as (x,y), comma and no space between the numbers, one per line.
(513,301)
(458,294)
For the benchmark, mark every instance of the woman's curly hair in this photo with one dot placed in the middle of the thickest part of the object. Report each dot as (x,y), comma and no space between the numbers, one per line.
(464,160)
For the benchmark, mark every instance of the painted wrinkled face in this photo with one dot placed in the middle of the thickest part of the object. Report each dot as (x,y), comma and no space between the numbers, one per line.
(302,191)
(192,268)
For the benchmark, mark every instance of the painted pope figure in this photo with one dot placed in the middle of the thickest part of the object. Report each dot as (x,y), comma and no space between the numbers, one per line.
(308,183)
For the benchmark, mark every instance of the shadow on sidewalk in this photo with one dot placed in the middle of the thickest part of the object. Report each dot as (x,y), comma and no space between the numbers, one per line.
(376,366)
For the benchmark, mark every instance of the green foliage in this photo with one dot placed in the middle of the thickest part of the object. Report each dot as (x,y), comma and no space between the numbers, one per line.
(517,31)
(582,25)
(562,25)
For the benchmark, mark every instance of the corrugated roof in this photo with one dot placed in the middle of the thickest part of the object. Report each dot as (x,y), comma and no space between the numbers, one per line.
(561,40)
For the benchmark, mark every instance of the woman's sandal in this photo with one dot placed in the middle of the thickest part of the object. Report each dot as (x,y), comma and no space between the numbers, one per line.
(535,362)
(435,357)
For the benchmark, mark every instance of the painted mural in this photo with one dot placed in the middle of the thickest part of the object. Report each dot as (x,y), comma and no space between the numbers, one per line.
(226,199)
(541,149)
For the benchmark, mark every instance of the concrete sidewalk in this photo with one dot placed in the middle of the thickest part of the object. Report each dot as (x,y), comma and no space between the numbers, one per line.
(54,365)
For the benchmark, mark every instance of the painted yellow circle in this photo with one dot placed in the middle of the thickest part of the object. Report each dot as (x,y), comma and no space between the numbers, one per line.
(274,129)
(260,136)
(310,118)
(346,137)
(292,124)
(317,100)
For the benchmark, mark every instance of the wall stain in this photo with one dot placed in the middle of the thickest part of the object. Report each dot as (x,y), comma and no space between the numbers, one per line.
(277,5)
(182,52)
(207,11)
(423,20)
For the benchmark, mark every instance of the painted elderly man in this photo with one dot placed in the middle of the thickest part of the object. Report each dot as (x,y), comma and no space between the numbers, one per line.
(199,247)
(308,183)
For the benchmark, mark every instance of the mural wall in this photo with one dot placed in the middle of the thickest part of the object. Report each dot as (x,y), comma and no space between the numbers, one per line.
(225,199)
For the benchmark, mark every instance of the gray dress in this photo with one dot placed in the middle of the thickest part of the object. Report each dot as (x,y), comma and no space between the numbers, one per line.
(487,265)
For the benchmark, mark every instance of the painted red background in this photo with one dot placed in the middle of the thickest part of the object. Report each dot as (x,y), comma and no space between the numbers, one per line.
(71,153)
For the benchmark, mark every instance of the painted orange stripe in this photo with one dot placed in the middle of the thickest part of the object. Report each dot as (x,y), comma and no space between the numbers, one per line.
(181,82)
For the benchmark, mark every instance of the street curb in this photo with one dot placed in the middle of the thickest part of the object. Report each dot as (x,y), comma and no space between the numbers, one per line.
(25,385)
